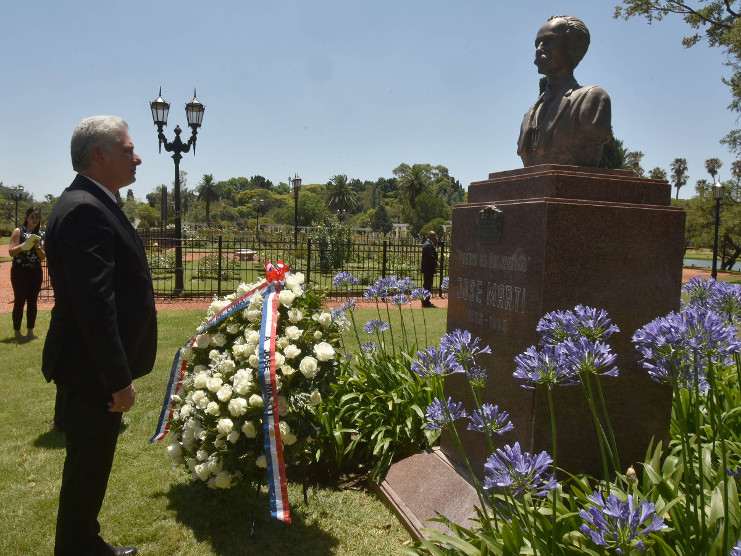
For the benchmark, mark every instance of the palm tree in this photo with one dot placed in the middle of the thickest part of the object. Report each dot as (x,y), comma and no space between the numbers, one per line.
(414,181)
(712,165)
(208,191)
(657,173)
(341,195)
(679,173)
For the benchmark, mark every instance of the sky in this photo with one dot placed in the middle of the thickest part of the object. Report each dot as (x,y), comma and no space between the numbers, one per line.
(324,87)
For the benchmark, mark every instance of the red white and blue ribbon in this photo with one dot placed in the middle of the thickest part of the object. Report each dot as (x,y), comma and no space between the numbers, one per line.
(269,289)
(271,419)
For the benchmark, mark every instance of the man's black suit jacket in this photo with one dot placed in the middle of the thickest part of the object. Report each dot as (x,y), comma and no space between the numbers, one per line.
(104,324)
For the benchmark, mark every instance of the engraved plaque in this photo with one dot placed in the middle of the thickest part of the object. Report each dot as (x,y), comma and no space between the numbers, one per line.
(489,225)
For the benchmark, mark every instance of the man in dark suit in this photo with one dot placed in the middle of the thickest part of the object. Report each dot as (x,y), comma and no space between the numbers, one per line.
(103,331)
(568,124)
(429,265)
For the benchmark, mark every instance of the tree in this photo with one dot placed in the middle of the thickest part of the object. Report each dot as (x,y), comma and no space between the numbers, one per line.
(414,180)
(208,191)
(679,173)
(633,162)
(657,173)
(341,196)
(720,24)
(381,222)
(712,165)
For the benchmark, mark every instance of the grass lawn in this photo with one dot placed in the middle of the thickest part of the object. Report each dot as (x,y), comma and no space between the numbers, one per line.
(150,503)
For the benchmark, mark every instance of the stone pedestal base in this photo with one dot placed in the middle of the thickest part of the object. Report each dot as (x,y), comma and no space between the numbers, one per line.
(547,238)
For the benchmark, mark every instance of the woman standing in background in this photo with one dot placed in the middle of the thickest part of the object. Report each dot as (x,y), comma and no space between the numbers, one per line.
(26,246)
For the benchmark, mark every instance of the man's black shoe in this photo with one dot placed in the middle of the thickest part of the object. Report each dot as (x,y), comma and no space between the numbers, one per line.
(428,305)
(125,550)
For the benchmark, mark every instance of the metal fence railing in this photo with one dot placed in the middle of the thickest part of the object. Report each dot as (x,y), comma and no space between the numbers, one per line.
(215,264)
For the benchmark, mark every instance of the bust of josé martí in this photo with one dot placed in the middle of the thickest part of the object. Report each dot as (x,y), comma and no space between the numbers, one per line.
(568,124)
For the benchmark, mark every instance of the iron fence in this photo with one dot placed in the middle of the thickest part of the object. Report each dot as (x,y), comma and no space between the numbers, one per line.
(215,264)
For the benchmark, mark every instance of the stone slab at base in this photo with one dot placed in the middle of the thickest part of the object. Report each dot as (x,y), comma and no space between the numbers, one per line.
(418,487)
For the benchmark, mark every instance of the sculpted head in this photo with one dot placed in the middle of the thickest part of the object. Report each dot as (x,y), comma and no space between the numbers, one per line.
(561,44)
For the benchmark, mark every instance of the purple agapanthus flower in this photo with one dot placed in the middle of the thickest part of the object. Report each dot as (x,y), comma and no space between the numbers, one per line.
(735,474)
(699,291)
(547,366)
(677,348)
(440,413)
(619,525)
(490,420)
(434,362)
(587,356)
(727,302)
(375,325)
(558,326)
(400,299)
(476,376)
(463,347)
(419,293)
(404,285)
(519,472)
(367,347)
(736,550)
(345,279)
(348,305)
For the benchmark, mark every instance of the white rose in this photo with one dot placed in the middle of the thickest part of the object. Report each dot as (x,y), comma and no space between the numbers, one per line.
(317,335)
(202,471)
(293,332)
(237,407)
(286,297)
(295,315)
(324,351)
(214,354)
(223,480)
(214,465)
(295,279)
(186,411)
(200,399)
(256,301)
(199,380)
(191,463)
(325,319)
(249,429)
(242,381)
(254,361)
(316,398)
(256,400)
(288,439)
(201,455)
(232,437)
(203,341)
(287,370)
(309,367)
(224,426)
(282,342)
(175,451)
(253,315)
(282,406)
(291,351)
(219,340)
(224,393)
(252,337)
(262,462)
(187,353)
(233,328)
(219,442)
(227,366)
(217,305)
(213,408)
(243,288)
(214,383)
(279,359)
(284,427)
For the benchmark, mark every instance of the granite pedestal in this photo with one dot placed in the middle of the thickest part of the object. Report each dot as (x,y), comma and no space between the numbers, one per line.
(550,237)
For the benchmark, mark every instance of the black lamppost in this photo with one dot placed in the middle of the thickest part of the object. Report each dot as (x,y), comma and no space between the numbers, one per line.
(296,187)
(257,206)
(16,196)
(717,195)
(340,214)
(194,113)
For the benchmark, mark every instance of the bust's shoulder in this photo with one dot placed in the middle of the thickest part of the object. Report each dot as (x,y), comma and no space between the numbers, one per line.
(590,92)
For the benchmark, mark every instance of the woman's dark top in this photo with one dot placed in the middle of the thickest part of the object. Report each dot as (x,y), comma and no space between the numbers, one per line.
(28,259)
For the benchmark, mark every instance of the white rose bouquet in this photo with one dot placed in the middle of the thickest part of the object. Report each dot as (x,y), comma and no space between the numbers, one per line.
(217,420)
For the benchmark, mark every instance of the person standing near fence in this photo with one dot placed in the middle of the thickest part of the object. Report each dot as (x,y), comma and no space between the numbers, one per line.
(103,330)
(26,246)
(429,265)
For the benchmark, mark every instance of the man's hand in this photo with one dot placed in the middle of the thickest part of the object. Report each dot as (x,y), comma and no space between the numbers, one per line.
(122,400)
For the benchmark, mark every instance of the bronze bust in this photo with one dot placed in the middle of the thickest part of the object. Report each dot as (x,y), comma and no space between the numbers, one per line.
(568,124)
